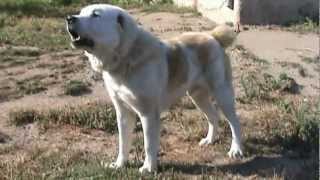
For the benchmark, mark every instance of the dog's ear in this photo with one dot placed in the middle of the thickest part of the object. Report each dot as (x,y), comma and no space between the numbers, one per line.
(120,20)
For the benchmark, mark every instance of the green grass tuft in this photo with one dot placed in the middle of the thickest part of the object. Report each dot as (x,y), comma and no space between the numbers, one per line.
(23,116)
(98,116)
(311,60)
(262,87)
(306,25)
(39,8)
(305,128)
(47,33)
(257,87)
(76,88)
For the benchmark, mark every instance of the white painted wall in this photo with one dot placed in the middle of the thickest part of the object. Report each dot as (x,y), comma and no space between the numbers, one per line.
(215,10)
(212,4)
(185,3)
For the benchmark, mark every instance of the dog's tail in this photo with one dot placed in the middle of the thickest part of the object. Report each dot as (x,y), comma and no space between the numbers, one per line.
(224,35)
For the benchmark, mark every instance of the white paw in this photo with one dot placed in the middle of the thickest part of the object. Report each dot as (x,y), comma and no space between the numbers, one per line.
(235,151)
(146,168)
(205,141)
(116,165)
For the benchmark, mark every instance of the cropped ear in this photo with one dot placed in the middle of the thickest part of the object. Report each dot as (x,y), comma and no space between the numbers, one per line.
(120,20)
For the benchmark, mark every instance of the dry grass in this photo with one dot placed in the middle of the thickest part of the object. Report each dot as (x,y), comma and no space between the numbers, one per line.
(246,54)
(13,56)
(281,127)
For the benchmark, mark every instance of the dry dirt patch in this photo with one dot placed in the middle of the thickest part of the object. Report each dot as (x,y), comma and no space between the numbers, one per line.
(294,52)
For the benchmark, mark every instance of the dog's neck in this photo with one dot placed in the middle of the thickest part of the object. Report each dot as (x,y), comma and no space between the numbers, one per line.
(130,54)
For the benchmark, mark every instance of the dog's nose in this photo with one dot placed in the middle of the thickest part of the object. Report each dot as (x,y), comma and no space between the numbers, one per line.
(71,19)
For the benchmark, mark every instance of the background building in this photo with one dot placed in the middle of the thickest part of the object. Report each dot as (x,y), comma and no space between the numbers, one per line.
(256,11)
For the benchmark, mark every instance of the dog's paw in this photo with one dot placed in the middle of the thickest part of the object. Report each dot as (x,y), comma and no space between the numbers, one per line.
(206,141)
(115,165)
(146,168)
(235,152)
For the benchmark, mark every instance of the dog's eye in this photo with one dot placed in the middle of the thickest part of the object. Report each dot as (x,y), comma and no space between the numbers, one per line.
(95,14)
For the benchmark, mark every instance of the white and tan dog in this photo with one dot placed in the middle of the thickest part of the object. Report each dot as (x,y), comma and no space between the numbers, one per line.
(145,75)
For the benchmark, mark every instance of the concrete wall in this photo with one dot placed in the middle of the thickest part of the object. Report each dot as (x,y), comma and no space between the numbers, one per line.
(216,10)
(255,11)
(186,3)
(277,11)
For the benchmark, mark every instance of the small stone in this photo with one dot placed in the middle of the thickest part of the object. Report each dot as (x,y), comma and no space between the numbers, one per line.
(291,86)
(302,72)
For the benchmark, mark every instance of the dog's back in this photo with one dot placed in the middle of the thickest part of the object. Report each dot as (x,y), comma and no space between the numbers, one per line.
(192,59)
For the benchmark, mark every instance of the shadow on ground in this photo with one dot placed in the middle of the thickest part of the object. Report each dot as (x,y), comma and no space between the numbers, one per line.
(261,166)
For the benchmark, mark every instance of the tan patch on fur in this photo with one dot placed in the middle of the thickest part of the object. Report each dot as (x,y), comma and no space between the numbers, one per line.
(202,45)
(199,43)
(177,65)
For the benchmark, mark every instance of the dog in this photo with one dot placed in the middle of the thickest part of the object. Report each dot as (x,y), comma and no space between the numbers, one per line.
(144,75)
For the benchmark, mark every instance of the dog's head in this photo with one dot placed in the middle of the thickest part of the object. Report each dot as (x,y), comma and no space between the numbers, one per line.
(99,27)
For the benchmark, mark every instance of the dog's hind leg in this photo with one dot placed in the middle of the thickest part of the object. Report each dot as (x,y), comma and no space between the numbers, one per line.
(219,79)
(225,100)
(201,98)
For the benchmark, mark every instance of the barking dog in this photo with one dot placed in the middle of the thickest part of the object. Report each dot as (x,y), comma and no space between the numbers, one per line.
(144,75)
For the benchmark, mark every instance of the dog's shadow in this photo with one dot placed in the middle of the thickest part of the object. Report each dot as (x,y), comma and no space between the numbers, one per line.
(266,167)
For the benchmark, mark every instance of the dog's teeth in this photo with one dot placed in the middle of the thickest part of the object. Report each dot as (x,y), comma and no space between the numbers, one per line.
(78,38)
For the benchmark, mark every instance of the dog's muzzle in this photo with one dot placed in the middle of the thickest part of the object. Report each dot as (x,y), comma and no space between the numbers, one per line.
(76,39)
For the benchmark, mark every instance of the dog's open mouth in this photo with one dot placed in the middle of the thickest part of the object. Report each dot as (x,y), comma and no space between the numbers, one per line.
(74,35)
(78,40)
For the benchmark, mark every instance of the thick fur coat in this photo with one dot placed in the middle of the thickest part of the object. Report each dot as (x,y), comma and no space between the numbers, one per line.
(145,75)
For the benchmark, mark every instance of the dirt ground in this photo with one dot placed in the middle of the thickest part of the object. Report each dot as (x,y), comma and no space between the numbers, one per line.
(286,49)
(279,51)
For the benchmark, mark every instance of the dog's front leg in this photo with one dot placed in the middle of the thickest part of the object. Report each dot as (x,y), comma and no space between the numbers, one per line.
(151,133)
(126,123)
